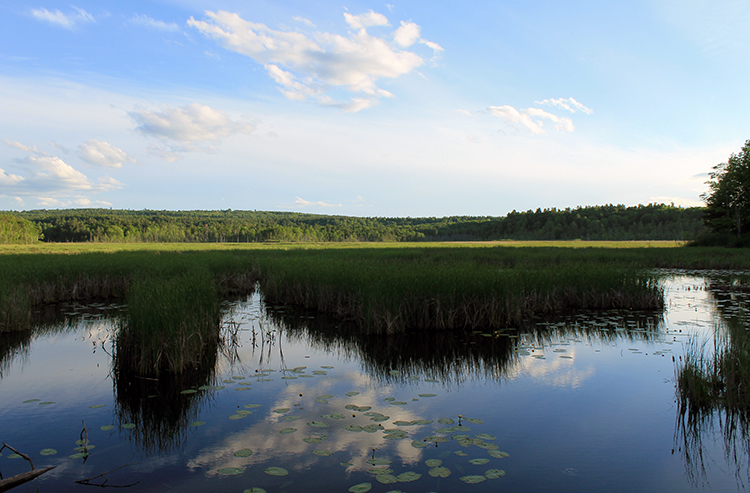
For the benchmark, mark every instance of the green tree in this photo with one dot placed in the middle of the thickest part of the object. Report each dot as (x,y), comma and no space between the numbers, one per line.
(728,196)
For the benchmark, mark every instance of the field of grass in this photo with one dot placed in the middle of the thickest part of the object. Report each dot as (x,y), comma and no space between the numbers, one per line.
(172,289)
(381,287)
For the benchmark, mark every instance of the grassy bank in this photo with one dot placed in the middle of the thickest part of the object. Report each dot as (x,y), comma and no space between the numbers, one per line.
(379,287)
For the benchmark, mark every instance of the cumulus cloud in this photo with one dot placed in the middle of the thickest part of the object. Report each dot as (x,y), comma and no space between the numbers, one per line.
(68,21)
(307,66)
(306,203)
(49,176)
(304,21)
(192,123)
(8,179)
(103,154)
(530,118)
(569,104)
(146,21)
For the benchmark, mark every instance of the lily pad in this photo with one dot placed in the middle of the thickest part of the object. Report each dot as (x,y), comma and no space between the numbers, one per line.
(291,418)
(97,406)
(79,455)
(353,428)
(197,423)
(255,489)
(237,416)
(418,444)
(386,478)
(46,403)
(473,479)
(427,395)
(107,427)
(327,367)
(281,410)
(361,488)
(494,473)
(408,477)
(245,452)
(286,431)
(479,462)
(486,436)
(352,393)
(276,471)
(318,424)
(439,472)
(31,400)
(433,462)
(389,399)
(251,406)
(474,421)
(313,440)
(380,470)
(129,426)
(189,391)
(231,471)
(498,454)
(446,421)
(48,451)
(397,403)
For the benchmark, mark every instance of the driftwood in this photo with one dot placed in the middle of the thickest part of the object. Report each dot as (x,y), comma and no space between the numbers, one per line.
(19,479)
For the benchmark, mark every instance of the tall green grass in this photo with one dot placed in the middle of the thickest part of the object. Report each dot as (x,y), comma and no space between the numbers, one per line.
(170,324)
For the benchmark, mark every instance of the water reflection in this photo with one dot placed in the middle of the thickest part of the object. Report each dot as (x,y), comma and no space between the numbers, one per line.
(713,385)
(453,357)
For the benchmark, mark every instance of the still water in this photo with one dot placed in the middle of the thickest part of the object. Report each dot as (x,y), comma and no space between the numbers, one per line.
(295,403)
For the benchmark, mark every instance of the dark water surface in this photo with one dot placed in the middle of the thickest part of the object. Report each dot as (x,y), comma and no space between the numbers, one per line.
(583,403)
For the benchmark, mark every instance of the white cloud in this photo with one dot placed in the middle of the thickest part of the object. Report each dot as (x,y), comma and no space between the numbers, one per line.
(407,34)
(367,19)
(306,66)
(304,21)
(8,179)
(569,104)
(68,21)
(192,123)
(146,21)
(50,176)
(531,118)
(103,154)
(306,203)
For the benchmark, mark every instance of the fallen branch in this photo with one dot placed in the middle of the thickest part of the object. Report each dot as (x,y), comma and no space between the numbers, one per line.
(19,479)
(104,484)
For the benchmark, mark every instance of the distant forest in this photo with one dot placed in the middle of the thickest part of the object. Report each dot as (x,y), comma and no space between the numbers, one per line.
(608,222)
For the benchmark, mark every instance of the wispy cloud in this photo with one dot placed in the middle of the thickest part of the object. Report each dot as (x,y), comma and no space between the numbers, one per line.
(186,129)
(569,104)
(146,21)
(68,21)
(308,66)
(103,154)
(306,203)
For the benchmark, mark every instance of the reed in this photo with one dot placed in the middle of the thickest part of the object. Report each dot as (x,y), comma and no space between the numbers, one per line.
(170,324)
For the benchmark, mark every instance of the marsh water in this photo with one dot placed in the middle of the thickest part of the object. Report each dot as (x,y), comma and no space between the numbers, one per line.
(293,402)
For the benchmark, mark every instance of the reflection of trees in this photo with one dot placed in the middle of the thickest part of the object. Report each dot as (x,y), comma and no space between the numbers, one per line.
(713,389)
(154,401)
(46,320)
(454,356)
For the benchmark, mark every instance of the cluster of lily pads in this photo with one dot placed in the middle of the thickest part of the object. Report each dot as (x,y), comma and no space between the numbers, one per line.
(449,430)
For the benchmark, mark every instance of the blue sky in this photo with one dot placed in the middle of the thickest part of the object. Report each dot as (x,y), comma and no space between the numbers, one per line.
(372,109)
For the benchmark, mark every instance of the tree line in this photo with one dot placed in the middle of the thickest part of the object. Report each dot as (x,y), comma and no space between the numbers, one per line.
(607,222)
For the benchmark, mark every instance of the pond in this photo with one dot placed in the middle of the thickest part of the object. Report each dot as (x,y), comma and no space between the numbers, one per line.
(293,402)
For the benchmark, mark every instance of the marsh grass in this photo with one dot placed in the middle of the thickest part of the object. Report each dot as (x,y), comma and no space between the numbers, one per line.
(170,324)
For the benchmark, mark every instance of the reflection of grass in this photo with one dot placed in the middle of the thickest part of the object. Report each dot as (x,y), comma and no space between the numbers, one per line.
(713,384)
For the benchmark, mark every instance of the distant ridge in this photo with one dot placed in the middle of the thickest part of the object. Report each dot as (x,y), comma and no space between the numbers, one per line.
(607,222)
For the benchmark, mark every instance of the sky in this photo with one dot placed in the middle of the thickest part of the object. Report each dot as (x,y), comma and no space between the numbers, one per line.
(415,108)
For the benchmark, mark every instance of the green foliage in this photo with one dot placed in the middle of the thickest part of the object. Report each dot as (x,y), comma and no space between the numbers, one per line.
(17,230)
(609,222)
(728,198)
